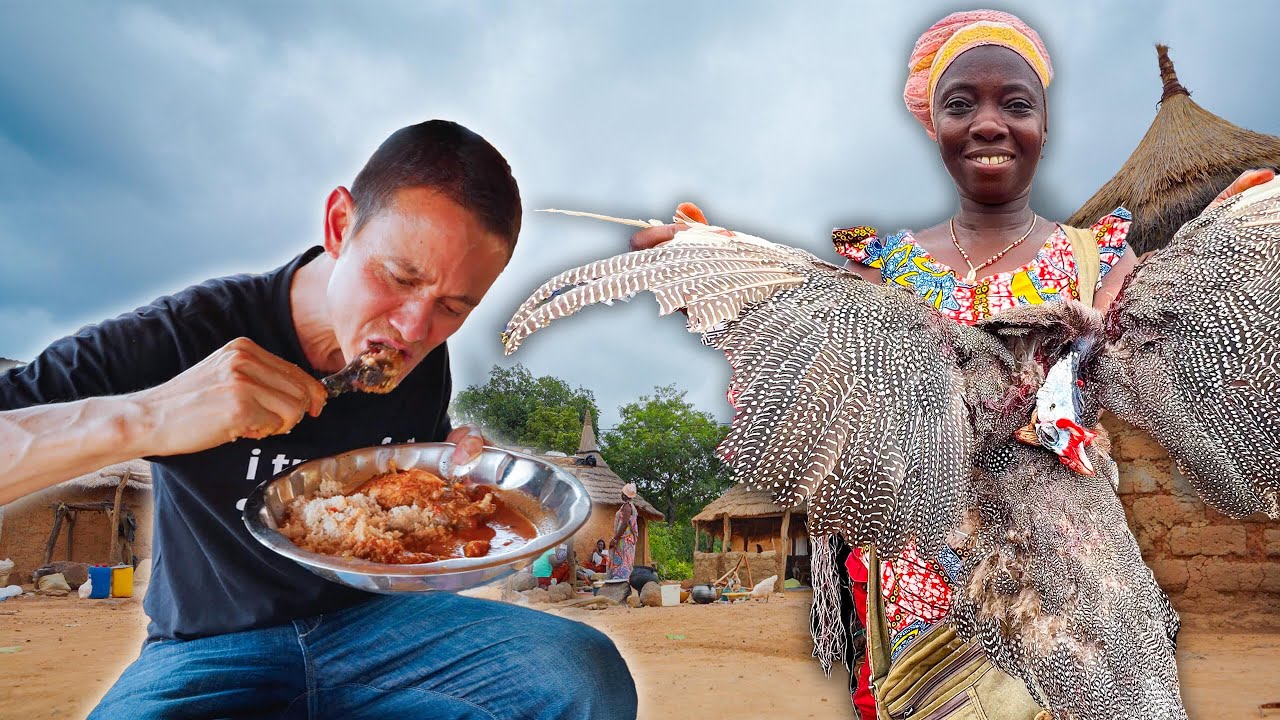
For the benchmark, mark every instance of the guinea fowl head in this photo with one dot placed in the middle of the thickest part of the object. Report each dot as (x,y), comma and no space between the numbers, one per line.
(1055,423)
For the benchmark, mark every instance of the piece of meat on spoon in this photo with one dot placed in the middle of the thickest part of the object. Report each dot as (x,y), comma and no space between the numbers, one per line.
(376,370)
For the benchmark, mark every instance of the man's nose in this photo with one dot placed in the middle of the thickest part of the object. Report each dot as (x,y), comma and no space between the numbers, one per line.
(413,321)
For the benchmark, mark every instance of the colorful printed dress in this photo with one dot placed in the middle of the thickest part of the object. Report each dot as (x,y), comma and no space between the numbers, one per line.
(915,591)
(622,557)
(1046,277)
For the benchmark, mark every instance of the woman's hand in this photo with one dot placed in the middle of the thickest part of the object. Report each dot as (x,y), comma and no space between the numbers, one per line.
(1247,179)
(654,236)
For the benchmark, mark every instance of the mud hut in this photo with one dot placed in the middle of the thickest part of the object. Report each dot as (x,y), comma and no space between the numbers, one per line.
(605,488)
(1186,158)
(773,539)
(84,532)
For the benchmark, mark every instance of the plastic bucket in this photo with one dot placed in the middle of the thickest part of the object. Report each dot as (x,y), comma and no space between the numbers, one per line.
(122,581)
(100,578)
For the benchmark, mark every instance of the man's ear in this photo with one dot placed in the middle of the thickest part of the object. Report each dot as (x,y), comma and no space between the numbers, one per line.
(339,219)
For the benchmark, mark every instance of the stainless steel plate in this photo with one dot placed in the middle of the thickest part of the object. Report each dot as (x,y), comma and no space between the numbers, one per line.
(551,498)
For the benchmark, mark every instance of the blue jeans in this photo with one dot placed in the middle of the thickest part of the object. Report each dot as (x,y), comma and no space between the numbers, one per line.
(436,655)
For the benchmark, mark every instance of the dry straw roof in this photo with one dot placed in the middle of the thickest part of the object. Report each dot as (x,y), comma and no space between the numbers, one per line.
(1186,158)
(109,477)
(604,486)
(740,502)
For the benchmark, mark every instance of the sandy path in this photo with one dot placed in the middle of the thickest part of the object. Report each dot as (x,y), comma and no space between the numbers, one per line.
(745,660)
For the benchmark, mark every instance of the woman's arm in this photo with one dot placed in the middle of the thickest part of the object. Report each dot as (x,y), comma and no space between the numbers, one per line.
(625,511)
(870,274)
(1114,281)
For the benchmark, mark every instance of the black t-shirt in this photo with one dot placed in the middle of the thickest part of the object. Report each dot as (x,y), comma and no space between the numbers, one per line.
(209,576)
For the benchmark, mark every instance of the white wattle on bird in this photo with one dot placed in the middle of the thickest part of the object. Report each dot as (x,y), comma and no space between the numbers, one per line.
(900,425)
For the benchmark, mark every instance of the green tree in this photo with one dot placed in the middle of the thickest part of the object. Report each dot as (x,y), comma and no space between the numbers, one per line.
(518,408)
(668,449)
(554,428)
(671,551)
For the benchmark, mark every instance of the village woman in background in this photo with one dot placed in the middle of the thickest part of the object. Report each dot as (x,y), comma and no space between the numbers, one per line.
(622,548)
(599,557)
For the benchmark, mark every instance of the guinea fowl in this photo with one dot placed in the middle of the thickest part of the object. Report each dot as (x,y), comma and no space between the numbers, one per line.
(901,426)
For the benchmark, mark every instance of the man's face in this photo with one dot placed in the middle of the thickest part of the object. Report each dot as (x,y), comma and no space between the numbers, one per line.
(411,275)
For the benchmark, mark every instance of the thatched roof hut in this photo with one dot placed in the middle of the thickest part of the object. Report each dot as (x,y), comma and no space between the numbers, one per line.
(1186,158)
(33,528)
(773,538)
(110,476)
(605,488)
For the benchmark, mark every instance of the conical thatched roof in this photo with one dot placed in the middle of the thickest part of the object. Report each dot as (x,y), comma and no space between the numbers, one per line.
(588,445)
(1186,158)
(740,502)
(109,477)
(602,484)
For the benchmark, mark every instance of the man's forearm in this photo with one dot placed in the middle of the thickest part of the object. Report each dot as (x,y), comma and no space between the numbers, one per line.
(45,445)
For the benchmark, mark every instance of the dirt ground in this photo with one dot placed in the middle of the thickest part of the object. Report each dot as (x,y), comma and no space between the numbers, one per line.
(748,660)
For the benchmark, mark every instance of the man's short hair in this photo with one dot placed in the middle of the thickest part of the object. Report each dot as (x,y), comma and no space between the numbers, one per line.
(450,159)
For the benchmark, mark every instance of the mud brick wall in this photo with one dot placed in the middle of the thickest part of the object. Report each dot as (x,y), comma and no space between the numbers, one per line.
(1207,562)
(27,523)
(709,566)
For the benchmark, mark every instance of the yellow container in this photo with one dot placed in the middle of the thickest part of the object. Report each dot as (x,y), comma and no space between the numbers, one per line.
(122,581)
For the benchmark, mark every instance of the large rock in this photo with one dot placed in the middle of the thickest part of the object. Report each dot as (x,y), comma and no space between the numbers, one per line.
(561,592)
(651,595)
(75,573)
(537,596)
(523,580)
(633,601)
(615,591)
(142,573)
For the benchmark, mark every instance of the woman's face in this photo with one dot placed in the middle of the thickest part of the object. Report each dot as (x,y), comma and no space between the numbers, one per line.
(600,545)
(989,113)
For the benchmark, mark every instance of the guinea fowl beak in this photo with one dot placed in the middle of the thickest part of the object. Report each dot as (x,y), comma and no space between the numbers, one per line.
(1028,433)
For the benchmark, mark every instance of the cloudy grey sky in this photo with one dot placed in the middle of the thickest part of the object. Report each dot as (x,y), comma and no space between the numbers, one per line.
(148,146)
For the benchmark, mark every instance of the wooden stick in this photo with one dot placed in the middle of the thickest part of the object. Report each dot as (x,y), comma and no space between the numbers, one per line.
(732,570)
(71,532)
(53,535)
(115,517)
(785,542)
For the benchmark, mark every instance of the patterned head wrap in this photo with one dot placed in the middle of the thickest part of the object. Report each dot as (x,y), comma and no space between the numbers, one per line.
(941,44)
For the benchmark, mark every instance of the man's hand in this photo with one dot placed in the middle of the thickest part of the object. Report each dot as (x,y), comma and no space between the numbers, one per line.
(1247,179)
(470,443)
(654,236)
(240,391)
